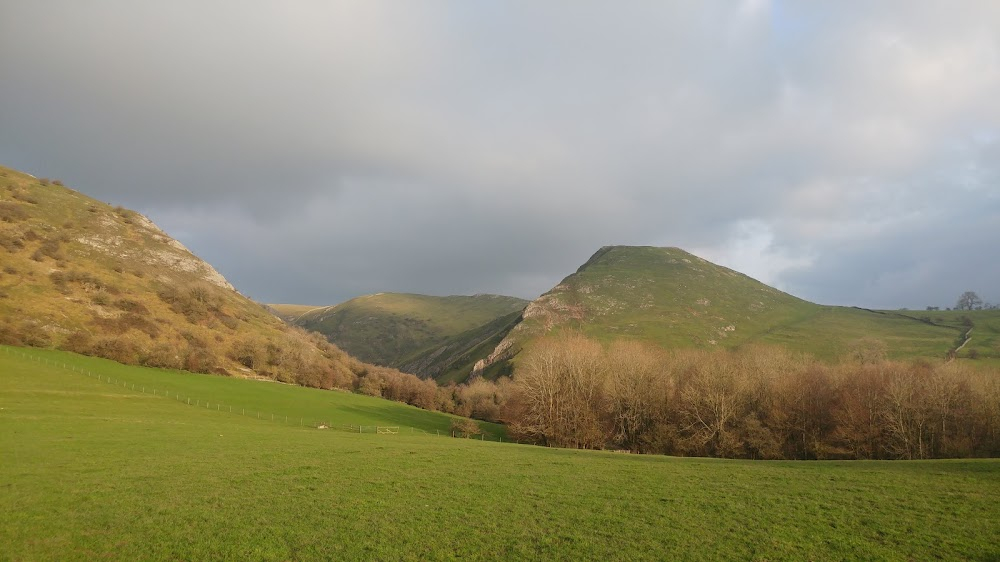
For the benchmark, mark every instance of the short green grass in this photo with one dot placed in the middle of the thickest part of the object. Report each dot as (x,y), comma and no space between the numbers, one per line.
(92,471)
(985,335)
(829,332)
(290,312)
(265,400)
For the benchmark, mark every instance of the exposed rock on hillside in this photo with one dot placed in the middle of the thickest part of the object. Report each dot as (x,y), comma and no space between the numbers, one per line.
(81,275)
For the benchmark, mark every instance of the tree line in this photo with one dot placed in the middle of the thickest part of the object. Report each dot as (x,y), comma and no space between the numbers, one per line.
(571,391)
(754,402)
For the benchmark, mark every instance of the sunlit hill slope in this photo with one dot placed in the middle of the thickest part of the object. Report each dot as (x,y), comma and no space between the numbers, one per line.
(81,275)
(677,300)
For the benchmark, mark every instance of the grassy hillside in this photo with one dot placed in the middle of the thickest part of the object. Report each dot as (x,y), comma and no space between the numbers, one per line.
(425,335)
(982,326)
(675,299)
(82,275)
(287,404)
(92,470)
(291,312)
(453,359)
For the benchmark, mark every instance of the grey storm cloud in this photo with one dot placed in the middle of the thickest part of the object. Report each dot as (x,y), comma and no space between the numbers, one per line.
(848,152)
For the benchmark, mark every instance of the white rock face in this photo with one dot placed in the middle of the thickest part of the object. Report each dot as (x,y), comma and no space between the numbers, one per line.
(172,254)
(181,258)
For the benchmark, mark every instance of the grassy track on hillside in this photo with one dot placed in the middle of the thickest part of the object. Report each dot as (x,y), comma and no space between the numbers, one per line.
(94,471)
(985,324)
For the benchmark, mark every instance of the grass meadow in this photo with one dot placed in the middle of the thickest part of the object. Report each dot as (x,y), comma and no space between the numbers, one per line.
(95,470)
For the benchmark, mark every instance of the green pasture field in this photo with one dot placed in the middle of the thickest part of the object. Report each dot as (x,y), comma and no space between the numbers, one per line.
(828,332)
(265,400)
(91,470)
(985,335)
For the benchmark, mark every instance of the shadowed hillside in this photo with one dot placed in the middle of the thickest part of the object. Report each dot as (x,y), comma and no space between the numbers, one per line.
(433,337)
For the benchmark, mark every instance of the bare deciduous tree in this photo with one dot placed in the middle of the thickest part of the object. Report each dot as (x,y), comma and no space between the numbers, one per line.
(561,388)
(634,390)
(969,301)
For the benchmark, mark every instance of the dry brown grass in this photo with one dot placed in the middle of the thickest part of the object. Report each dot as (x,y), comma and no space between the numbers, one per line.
(66,285)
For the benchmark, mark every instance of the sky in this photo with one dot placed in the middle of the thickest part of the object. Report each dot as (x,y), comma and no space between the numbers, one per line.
(847,152)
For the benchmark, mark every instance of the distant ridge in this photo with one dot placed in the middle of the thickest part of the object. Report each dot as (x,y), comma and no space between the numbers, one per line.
(675,299)
(429,336)
(665,296)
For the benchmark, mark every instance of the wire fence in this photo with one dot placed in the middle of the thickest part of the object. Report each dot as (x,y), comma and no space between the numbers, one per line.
(255,413)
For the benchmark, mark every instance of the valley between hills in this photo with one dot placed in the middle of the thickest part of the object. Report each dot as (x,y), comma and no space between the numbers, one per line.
(140,418)
(663,296)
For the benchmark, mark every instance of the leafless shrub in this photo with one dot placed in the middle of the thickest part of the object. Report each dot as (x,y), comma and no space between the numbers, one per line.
(116,349)
(11,243)
(465,427)
(133,306)
(24,196)
(101,298)
(51,248)
(127,215)
(12,212)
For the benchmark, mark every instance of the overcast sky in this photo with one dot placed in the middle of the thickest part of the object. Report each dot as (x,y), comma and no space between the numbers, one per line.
(847,152)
